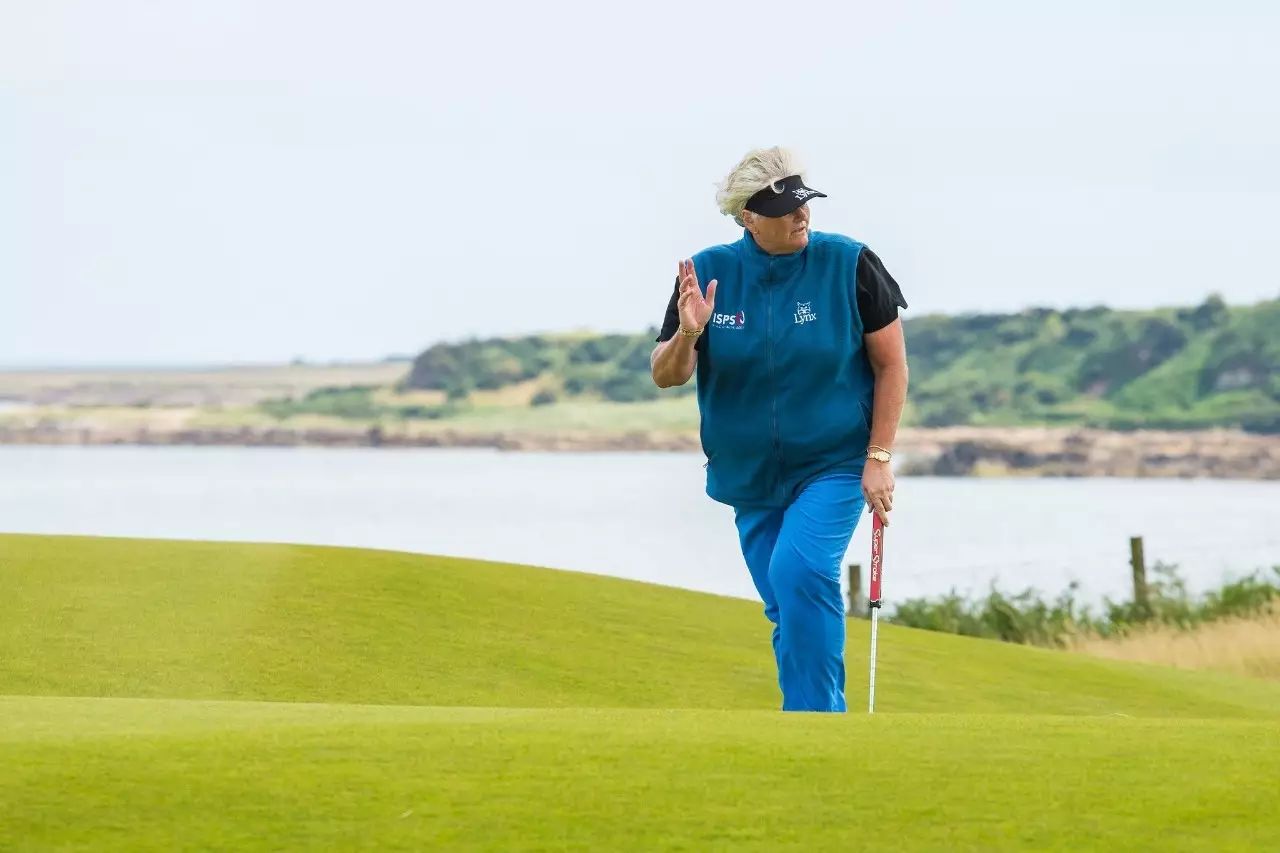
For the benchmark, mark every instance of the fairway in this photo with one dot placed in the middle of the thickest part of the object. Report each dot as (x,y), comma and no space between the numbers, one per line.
(163,695)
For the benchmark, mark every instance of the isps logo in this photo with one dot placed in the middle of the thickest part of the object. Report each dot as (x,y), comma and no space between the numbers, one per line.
(728,321)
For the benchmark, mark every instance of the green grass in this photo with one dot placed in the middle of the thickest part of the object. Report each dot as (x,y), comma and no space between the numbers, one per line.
(669,414)
(270,696)
(159,774)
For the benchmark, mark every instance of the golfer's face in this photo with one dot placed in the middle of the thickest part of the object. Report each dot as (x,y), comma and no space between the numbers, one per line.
(790,231)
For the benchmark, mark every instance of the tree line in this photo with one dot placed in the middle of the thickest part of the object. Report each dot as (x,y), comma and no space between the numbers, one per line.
(1204,366)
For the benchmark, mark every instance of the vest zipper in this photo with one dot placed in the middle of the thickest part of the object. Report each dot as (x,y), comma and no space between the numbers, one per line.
(773,384)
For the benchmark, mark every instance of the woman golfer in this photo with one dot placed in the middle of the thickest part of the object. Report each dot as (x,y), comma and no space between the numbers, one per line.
(802,374)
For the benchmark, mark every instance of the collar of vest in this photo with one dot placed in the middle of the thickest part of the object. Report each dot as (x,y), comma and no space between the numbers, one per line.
(777,265)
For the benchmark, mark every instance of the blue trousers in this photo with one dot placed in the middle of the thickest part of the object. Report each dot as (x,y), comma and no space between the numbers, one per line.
(794,556)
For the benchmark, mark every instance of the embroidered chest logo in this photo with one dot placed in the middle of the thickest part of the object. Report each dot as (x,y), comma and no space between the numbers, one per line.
(804,313)
(729,321)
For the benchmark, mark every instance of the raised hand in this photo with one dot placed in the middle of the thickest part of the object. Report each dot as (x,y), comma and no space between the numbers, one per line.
(695,309)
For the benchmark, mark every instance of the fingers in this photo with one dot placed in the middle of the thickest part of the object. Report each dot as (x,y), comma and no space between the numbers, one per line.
(687,273)
(881,503)
(878,506)
(711,294)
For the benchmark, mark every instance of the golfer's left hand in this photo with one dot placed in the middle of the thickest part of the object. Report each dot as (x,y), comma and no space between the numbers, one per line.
(877,488)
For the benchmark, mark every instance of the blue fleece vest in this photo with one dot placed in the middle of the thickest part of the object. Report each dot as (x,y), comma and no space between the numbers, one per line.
(784,385)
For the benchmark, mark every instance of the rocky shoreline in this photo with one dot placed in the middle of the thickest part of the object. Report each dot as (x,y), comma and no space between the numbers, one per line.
(1064,452)
(949,452)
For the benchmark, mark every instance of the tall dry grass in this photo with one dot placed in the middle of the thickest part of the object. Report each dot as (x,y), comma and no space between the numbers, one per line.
(1244,646)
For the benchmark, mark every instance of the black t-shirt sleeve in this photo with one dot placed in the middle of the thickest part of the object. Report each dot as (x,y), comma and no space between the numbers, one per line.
(879,296)
(671,322)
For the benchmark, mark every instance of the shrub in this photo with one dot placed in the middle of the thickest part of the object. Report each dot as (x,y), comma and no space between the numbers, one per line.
(1028,618)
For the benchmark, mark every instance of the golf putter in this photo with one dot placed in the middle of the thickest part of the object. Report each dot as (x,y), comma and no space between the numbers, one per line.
(877,572)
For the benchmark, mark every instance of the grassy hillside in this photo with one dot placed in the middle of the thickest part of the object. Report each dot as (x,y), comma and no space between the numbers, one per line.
(121,617)
(1209,365)
(472,705)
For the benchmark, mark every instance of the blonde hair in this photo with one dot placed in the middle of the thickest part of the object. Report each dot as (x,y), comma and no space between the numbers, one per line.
(760,168)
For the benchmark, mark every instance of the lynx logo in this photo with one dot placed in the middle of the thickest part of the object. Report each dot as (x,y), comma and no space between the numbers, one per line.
(804,313)
(803,193)
(728,321)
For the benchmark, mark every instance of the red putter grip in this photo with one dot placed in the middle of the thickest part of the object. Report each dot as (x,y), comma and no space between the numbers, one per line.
(877,558)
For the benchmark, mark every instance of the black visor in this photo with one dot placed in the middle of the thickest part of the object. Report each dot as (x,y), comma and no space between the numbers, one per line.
(790,194)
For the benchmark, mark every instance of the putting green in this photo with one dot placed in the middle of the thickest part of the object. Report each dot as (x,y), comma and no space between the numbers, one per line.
(417,702)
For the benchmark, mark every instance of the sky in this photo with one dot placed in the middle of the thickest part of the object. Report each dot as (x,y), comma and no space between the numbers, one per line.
(247,181)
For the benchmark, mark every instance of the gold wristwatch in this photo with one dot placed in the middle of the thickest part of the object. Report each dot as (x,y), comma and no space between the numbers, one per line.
(879,454)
